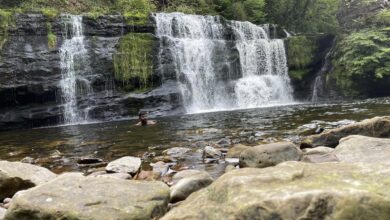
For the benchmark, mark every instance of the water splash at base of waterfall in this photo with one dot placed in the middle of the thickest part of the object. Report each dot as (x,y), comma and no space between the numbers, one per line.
(223,64)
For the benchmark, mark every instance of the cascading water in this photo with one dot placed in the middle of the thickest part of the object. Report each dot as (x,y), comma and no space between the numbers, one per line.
(74,68)
(318,91)
(223,64)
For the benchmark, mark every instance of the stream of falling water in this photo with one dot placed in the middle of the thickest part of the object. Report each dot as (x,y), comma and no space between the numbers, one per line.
(223,64)
(74,68)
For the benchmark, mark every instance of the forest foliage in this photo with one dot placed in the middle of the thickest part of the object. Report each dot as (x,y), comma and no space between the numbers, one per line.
(362,61)
(295,15)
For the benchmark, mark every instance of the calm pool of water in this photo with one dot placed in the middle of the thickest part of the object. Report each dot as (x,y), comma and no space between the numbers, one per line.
(115,139)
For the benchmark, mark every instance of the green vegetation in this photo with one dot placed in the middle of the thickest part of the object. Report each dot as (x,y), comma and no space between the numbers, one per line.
(362,62)
(51,37)
(301,54)
(136,12)
(295,15)
(382,18)
(248,10)
(300,51)
(50,13)
(305,16)
(6,20)
(133,62)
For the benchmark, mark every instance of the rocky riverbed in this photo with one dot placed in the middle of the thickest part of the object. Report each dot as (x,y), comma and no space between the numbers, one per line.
(341,173)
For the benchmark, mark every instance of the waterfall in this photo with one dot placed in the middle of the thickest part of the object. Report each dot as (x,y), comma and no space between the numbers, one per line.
(222,64)
(74,69)
(318,89)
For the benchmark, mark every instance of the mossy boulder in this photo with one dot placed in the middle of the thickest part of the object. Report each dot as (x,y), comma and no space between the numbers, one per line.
(293,190)
(16,176)
(269,154)
(73,196)
(374,127)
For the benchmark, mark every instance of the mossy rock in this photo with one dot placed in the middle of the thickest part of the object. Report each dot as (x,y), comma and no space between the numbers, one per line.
(7,20)
(133,62)
(300,51)
(16,176)
(74,196)
(293,190)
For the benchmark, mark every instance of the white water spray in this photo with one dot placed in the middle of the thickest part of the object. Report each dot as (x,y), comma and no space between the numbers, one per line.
(224,65)
(74,68)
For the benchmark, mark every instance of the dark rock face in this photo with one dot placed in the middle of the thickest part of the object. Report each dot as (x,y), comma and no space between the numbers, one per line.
(30,73)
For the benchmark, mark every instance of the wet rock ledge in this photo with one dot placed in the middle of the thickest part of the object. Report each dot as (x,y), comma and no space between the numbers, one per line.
(271,181)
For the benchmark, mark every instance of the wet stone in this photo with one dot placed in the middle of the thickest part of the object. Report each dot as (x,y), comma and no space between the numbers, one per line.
(211,152)
(176,151)
(128,164)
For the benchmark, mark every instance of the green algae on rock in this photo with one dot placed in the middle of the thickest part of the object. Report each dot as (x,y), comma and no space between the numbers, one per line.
(73,196)
(134,60)
(293,190)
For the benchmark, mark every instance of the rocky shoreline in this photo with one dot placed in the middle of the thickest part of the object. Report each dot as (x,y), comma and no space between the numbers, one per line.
(340,173)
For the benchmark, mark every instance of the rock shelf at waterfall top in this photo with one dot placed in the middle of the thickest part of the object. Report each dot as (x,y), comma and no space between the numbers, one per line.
(279,179)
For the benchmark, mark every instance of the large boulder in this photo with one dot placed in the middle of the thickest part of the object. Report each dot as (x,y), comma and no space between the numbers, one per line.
(187,182)
(357,148)
(269,155)
(74,196)
(130,165)
(236,151)
(375,127)
(15,176)
(293,190)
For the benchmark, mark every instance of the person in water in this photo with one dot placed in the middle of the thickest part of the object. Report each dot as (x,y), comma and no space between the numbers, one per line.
(143,119)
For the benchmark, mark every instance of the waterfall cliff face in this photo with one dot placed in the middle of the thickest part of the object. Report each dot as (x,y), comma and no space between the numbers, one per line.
(222,64)
(74,69)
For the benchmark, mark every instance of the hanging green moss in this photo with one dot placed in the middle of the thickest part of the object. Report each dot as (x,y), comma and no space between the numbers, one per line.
(51,37)
(300,51)
(133,63)
(50,13)
(6,21)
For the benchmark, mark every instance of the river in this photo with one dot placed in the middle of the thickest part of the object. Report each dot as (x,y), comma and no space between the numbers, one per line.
(59,148)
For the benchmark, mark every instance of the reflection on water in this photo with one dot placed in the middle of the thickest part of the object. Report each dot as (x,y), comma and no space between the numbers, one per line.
(115,139)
